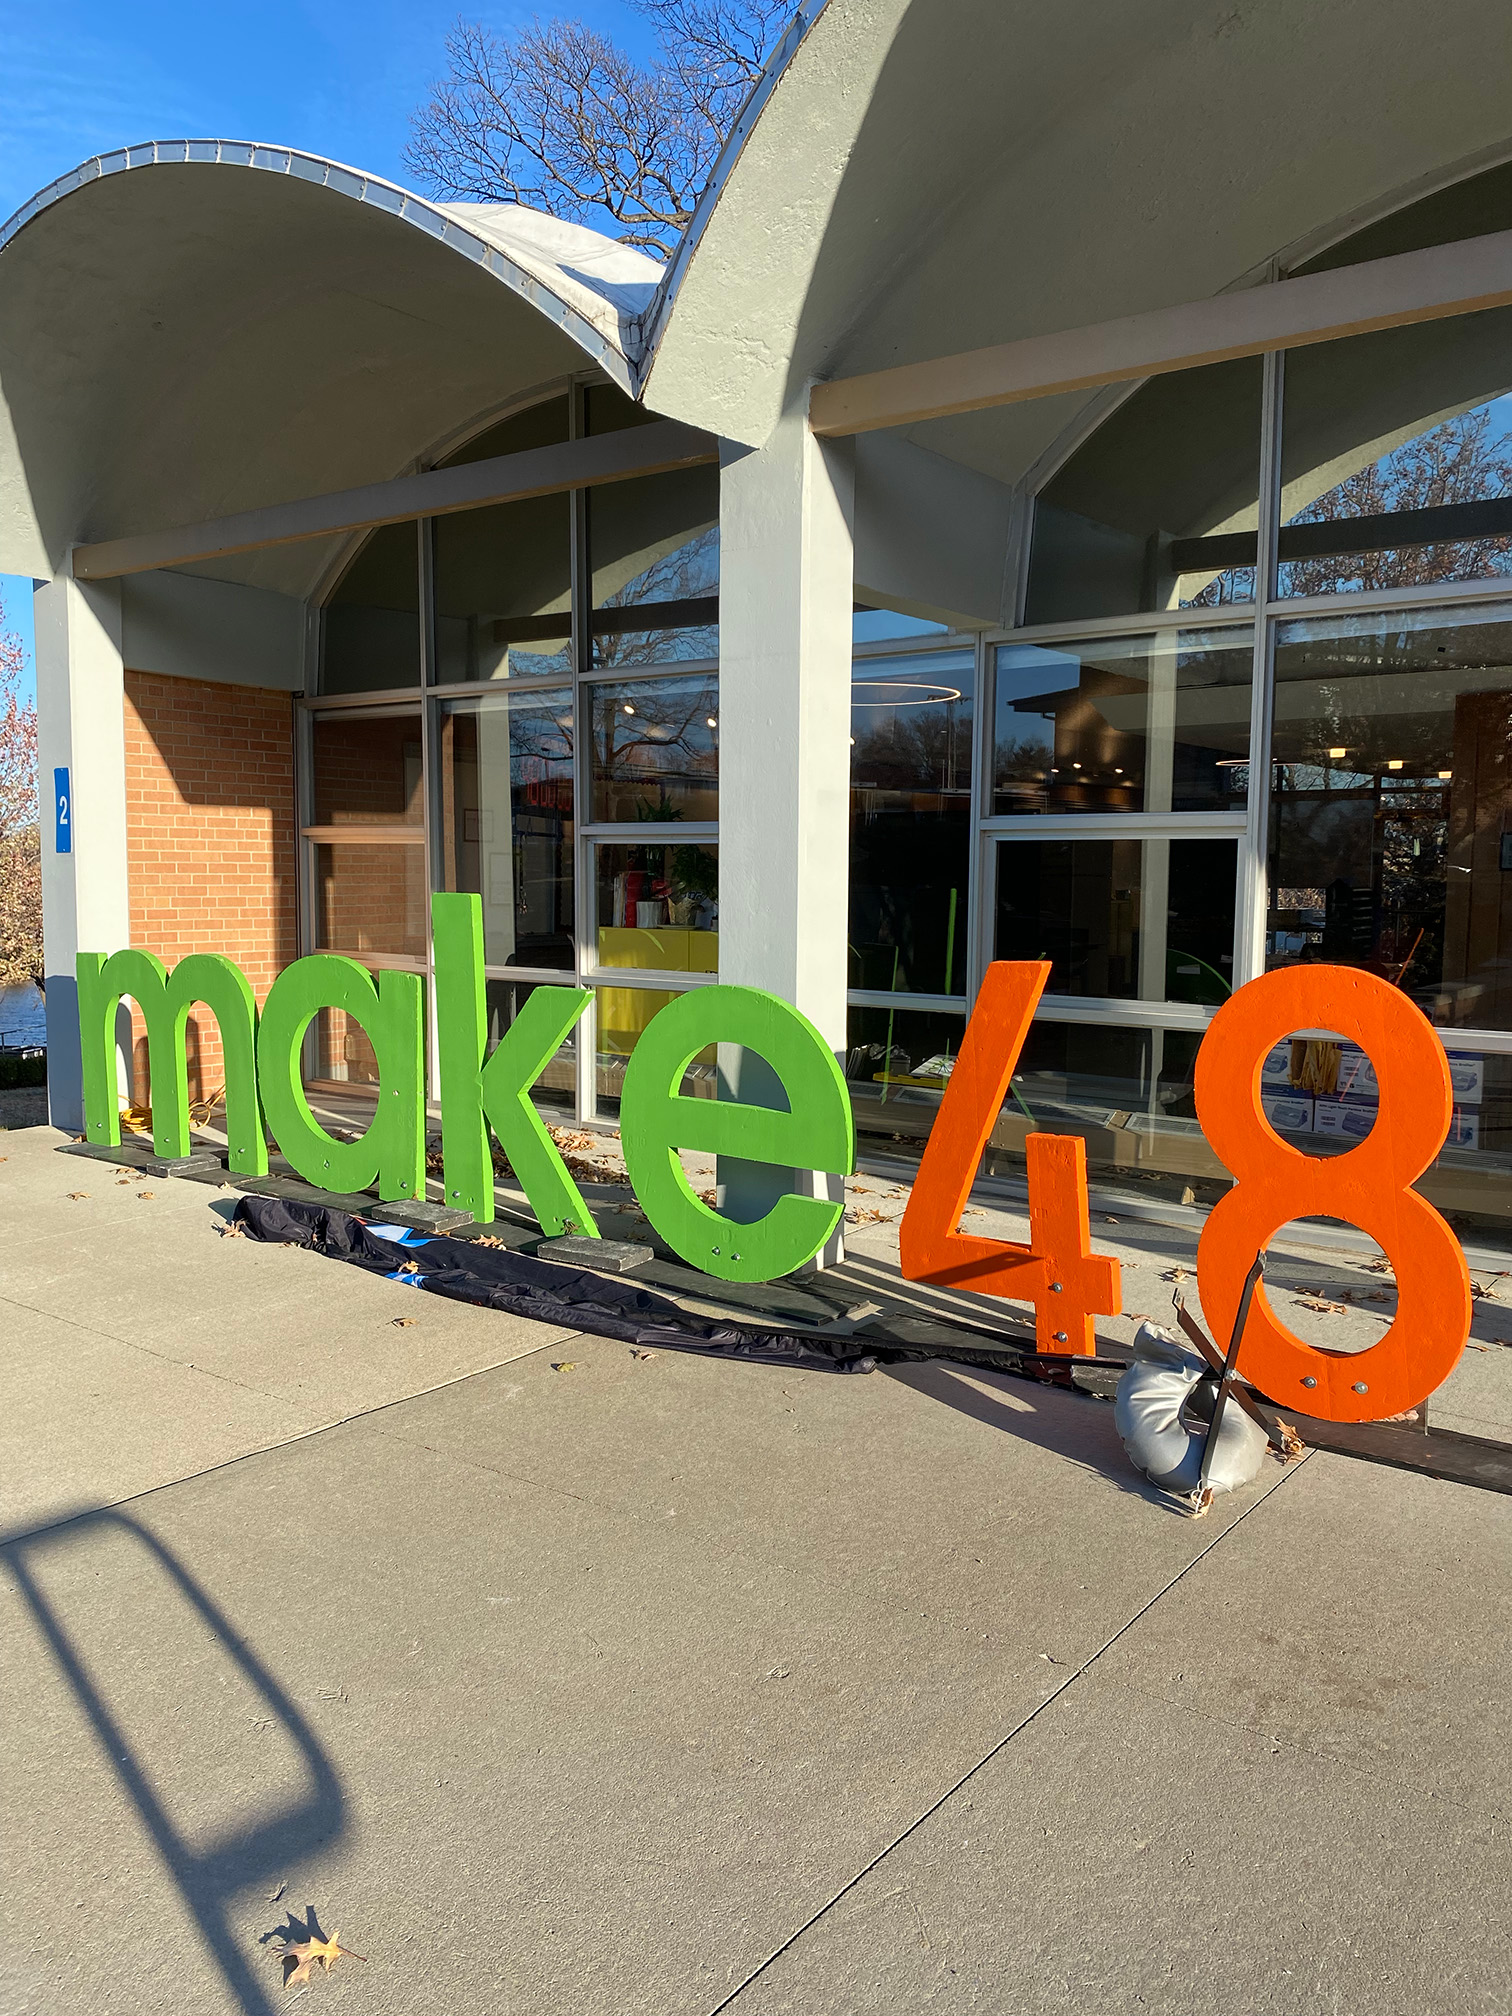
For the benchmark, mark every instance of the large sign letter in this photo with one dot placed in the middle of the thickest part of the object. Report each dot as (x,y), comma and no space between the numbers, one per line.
(1368,1186)
(1057,1271)
(656,1120)
(392,1151)
(475,1095)
(165,1002)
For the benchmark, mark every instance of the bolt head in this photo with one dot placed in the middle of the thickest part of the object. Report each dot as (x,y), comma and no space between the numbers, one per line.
(1309,1381)
(1361,1387)
(1060,1337)
(1055,1287)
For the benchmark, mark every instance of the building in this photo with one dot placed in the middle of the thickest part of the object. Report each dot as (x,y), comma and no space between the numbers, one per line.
(1057,502)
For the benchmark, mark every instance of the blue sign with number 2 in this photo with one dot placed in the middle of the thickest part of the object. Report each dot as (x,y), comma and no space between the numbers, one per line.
(64,797)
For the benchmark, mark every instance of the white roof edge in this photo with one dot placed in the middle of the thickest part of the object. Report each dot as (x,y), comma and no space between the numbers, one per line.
(610,336)
(654,322)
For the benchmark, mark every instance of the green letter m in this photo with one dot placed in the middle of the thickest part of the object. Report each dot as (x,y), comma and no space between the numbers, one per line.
(165,1001)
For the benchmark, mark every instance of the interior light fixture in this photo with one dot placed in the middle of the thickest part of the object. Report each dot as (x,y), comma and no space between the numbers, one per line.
(1395,763)
(628,708)
(1336,755)
(1445,775)
(710,721)
(1117,772)
(1076,766)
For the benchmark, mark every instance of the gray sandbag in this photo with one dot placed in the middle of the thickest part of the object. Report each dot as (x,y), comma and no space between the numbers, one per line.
(1151,1396)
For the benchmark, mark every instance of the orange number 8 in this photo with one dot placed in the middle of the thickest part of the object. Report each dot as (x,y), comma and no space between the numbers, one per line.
(1369,1186)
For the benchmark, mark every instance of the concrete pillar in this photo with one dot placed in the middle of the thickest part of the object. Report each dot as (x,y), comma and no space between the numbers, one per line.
(785,596)
(81,729)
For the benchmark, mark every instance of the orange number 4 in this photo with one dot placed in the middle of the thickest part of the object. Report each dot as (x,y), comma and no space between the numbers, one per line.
(1057,1271)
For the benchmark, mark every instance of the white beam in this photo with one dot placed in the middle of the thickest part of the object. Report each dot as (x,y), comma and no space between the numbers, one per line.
(1421,286)
(784,748)
(81,729)
(502,479)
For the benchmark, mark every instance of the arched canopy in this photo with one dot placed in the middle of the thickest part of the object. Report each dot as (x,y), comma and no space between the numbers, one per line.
(200,327)
(922,177)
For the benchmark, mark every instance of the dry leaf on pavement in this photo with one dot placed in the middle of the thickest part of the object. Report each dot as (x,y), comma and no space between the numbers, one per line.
(77,1194)
(565,1365)
(403,1322)
(1314,1302)
(147,1195)
(307,1951)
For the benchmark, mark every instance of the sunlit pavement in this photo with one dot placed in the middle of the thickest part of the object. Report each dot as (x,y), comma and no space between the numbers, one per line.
(558,1679)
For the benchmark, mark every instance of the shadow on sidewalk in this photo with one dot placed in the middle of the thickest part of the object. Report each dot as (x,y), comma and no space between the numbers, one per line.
(208,1878)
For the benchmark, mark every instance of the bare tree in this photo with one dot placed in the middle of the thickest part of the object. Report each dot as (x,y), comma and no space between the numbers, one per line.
(557,116)
(20,835)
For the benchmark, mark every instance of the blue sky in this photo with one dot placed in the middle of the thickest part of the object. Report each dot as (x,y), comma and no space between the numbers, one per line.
(340,78)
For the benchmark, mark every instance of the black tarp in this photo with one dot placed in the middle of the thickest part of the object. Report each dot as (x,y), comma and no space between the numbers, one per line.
(493,1277)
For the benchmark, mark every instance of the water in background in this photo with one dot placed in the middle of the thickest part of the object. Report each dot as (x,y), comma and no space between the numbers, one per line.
(23,1019)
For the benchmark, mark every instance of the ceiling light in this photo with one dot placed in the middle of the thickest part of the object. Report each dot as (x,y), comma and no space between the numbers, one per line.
(1076,766)
(1445,775)
(1395,763)
(628,708)
(711,721)
(1336,755)
(1117,773)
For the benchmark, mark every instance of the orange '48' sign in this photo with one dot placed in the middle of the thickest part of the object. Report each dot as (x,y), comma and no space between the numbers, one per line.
(1368,1186)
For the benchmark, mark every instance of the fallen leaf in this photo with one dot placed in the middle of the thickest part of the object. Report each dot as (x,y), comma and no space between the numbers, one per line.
(307,1951)
(1110,1221)
(565,1365)
(403,1322)
(147,1195)
(1175,1274)
(487,1239)
(1314,1302)
(642,1354)
(77,1194)
(233,1229)
(274,1895)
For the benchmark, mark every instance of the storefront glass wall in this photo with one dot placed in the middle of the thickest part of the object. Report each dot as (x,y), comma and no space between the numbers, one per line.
(560,757)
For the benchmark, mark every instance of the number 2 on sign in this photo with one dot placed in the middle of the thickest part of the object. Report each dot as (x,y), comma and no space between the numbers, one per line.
(1057,1271)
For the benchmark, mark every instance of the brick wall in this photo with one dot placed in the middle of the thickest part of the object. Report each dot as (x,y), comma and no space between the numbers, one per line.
(210,839)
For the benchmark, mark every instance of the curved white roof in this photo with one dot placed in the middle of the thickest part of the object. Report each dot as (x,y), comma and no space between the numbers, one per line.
(192,327)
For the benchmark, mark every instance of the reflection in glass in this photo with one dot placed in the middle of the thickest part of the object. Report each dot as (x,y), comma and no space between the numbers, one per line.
(370,626)
(656,749)
(507,826)
(653,545)
(1142,724)
(371,898)
(1125,525)
(1391,818)
(1127,1092)
(910,821)
(658,907)
(898,1062)
(623,1013)
(366,769)
(1145,919)
(872,626)
(1396,463)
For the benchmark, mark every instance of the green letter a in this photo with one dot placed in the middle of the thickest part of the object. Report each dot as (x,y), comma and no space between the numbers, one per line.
(475,1095)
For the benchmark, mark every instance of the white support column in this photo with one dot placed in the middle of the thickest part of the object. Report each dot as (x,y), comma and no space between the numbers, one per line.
(785,596)
(81,729)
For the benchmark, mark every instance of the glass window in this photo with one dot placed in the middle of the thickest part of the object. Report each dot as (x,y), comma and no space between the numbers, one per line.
(1158,507)
(366,769)
(1391,811)
(371,898)
(898,1062)
(653,545)
(658,907)
(1127,1092)
(910,821)
(1146,919)
(656,750)
(871,626)
(506,819)
(1139,724)
(370,626)
(504,574)
(623,1013)
(1396,464)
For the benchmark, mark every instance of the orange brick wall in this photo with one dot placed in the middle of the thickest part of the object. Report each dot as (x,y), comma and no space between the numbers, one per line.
(210,839)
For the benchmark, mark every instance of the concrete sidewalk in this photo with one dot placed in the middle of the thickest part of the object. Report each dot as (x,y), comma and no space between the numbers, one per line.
(671,1685)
